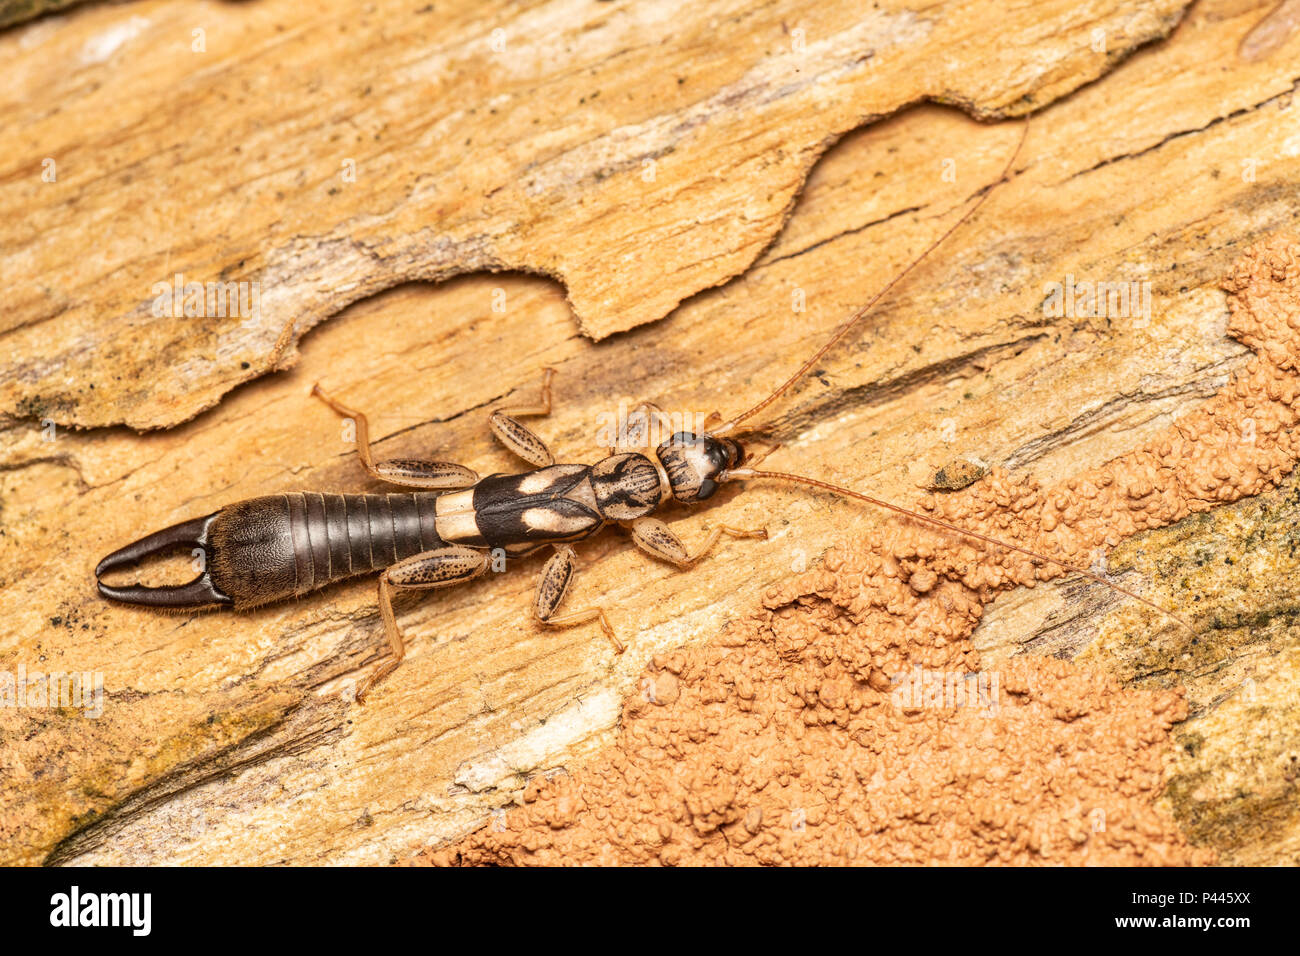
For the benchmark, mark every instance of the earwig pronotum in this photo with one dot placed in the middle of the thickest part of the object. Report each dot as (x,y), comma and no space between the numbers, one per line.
(270,548)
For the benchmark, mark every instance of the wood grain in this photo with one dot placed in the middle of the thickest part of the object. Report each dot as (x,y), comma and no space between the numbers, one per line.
(323,153)
(231,739)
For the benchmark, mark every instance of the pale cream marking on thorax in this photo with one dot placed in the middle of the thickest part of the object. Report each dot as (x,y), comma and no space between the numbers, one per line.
(545,519)
(455,503)
(455,519)
(536,483)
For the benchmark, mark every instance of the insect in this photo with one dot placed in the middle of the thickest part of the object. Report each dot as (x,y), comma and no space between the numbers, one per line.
(275,547)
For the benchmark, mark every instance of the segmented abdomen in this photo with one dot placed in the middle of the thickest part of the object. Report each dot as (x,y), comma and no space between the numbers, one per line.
(269,548)
(337,536)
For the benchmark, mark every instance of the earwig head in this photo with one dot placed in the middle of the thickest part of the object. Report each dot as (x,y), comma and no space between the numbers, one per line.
(697,464)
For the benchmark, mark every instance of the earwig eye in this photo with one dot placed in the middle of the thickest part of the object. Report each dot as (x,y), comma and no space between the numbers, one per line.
(695,463)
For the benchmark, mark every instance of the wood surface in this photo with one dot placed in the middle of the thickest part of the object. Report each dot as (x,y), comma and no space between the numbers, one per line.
(233,738)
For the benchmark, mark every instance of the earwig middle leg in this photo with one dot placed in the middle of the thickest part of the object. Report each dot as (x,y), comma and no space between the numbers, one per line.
(410,472)
(659,541)
(519,438)
(439,568)
(551,590)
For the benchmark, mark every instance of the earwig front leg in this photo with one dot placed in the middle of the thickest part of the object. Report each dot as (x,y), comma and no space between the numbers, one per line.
(439,568)
(550,592)
(658,540)
(410,472)
(650,411)
(520,439)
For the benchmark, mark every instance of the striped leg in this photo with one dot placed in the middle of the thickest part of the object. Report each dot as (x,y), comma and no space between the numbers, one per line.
(658,540)
(439,568)
(550,592)
(411,472)
(644,437)
(517,437)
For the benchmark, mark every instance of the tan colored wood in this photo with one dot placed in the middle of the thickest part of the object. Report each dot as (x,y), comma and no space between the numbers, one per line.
(325,154)
(231,738)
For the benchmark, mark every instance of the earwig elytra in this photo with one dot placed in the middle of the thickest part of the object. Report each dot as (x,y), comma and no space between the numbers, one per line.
(270,548)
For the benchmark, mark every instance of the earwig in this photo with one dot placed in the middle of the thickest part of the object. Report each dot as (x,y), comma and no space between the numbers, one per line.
(279,546)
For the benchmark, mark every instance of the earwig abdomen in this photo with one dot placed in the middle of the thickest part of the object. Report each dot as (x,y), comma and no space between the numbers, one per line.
(280,546)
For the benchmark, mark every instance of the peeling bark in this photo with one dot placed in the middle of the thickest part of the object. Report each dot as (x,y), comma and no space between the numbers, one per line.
(638,153)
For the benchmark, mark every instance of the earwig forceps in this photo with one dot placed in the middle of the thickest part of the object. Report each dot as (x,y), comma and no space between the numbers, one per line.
(199,593)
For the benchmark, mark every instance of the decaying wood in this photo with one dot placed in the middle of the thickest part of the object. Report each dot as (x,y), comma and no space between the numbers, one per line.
(16,11)
(326,155)
(230,738)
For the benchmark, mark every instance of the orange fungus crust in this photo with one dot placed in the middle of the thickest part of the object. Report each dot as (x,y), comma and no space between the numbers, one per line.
(847,720)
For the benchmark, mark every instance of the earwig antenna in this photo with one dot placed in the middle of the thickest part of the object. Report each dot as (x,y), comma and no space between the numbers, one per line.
(744,473)
(835,339)
(859,315)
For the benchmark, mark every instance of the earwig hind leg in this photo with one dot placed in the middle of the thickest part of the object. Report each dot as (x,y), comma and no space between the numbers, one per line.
(518,438)
(556,577)
(395,642)
(659,541)
(409,472)
(439,568)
